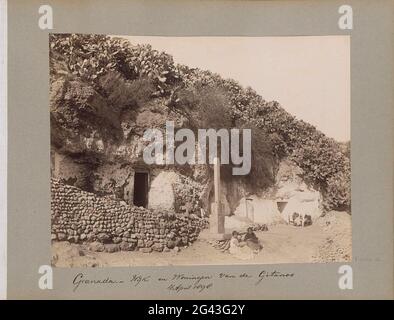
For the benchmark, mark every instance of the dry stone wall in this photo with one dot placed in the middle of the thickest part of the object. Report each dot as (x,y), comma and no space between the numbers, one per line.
(83,217)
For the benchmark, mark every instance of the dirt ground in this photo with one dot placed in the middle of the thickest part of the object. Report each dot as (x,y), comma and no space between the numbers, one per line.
(327,240)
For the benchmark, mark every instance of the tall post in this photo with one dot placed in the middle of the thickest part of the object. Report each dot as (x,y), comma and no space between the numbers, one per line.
(216,179)
(217,218)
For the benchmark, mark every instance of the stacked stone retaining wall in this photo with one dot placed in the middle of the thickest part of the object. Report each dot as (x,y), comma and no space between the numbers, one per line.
(83,217)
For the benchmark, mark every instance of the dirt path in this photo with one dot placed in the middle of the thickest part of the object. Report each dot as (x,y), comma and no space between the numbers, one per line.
(329,239)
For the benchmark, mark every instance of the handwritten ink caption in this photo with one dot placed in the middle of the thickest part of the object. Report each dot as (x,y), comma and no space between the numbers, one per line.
(178,282)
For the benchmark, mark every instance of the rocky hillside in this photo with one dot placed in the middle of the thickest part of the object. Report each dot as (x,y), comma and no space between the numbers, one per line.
(106,91)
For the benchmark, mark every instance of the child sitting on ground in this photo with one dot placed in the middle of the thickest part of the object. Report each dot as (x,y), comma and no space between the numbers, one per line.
(252,241)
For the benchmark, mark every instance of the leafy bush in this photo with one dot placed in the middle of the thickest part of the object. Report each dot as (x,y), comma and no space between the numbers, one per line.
(91,56)
(212,111)
(263,166)
(337,194)
(186,99)
(78,93)
(86,56)
(123,93)
(345,148)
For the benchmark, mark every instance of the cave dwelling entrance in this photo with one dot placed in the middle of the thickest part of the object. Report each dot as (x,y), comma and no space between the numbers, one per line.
(140,196)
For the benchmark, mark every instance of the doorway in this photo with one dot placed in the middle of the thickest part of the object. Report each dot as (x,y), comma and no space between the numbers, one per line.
(281,205)
(140,196)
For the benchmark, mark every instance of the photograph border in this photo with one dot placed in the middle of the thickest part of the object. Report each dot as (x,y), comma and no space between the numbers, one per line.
(371,100)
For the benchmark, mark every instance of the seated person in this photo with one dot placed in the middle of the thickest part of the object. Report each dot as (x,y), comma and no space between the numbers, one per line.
(252,241)
(239,248)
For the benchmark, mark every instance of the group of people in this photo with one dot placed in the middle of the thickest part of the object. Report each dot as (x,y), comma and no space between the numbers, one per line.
(299,219)
(245,247)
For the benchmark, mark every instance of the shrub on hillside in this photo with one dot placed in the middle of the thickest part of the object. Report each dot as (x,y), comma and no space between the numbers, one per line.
(92,56)
(337,194)
(263,166)
(213,106)
(123,93)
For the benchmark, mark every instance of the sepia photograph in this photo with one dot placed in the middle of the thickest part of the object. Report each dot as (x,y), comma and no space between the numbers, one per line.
(171,151)
(214,152)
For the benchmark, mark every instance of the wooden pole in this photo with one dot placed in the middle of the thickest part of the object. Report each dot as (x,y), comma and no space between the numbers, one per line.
(217,220)
(216,179)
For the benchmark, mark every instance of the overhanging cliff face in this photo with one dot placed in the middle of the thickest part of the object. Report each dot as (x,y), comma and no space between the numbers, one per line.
(81,121)
(98,148)
(86,122)
(88,143)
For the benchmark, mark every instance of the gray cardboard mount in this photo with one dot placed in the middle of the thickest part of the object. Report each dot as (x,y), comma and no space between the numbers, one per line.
(372,88)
